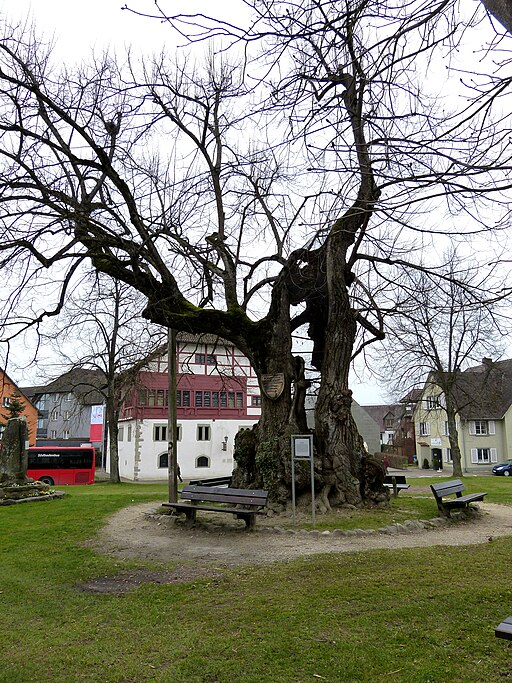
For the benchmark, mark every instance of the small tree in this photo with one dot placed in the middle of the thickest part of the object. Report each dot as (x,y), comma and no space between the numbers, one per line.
(441,324)
(15,407)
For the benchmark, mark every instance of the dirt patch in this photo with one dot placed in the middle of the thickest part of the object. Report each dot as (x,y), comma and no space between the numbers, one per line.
(126,581)
(139,532)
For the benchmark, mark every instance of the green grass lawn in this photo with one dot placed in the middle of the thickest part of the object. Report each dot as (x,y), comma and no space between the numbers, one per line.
(414,616)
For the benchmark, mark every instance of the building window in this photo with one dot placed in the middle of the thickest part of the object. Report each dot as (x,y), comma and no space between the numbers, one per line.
(65,434)
(483,454)
(183,399)
(256,401)
(163,461)
(69,396)
(480,428)
(55,415)
(199,399)
(207,399)
(129,433)
(449,457)
(142,397)
(199,359)
(202,461)
(120,434)
(55,398)
(211,360)
(223,399)
(389,422)
(53,434)
(434,402)
(160,433)
(446,428)
(6,401)
(215,399)
(203,433)
(424,428)
(67,414)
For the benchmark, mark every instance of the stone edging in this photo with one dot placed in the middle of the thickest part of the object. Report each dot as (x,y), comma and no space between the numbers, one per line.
(407,527)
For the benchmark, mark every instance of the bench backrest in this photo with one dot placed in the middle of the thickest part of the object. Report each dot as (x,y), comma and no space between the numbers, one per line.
(447,488)
(213,494)
(215,481)
(399,478)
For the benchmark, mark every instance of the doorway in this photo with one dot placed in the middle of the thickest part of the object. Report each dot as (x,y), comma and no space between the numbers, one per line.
(437,459)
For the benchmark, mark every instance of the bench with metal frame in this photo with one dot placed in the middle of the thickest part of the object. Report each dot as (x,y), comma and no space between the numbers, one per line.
(450,488)
(251,502)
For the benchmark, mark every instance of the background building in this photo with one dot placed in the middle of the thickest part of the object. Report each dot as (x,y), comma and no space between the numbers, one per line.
(217,395)
(7,389)
(67,406)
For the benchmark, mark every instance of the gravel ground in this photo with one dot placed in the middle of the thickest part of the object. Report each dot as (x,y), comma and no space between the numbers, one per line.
(138,532)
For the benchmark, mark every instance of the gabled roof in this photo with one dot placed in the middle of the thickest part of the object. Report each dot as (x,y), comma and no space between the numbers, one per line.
(84,383)
(26,395)
(381,412)
(484,391)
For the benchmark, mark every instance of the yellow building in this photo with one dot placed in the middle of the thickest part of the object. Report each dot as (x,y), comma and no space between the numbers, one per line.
(483,399)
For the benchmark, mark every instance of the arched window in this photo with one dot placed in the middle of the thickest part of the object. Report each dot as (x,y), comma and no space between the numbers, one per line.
(163,460)
(203,461)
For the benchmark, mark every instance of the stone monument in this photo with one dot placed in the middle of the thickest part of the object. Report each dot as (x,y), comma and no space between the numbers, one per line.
(15,487)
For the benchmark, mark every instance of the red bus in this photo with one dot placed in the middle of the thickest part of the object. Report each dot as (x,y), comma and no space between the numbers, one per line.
(59,465)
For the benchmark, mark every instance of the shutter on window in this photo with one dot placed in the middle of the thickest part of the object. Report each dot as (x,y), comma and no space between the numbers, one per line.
(494,455)
(445,455)
(492,427)
(472,428)
(474,456)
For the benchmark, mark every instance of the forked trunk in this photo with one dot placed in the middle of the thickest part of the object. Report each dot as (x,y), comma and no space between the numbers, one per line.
(347,475)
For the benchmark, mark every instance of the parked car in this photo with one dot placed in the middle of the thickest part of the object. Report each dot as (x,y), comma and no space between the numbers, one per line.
(504,468)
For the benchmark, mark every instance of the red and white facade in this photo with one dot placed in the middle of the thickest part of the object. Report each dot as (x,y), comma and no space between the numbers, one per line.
(217,395)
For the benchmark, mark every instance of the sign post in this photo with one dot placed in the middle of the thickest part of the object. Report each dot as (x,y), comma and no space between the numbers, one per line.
(302,449)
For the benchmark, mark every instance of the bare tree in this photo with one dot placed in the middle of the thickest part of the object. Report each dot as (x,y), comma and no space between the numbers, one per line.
(281,190)
(101,328)
(440,326)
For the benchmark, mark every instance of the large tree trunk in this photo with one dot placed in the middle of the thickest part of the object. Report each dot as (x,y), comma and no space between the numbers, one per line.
(339,446)
(263,455)
(453,436)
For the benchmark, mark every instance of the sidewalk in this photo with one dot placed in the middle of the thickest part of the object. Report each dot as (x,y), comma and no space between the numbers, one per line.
(412,472)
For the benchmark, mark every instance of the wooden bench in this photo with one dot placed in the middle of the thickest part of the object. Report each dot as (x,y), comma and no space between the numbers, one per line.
(504,630)
(396,482)
(252,500)
(448,488)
